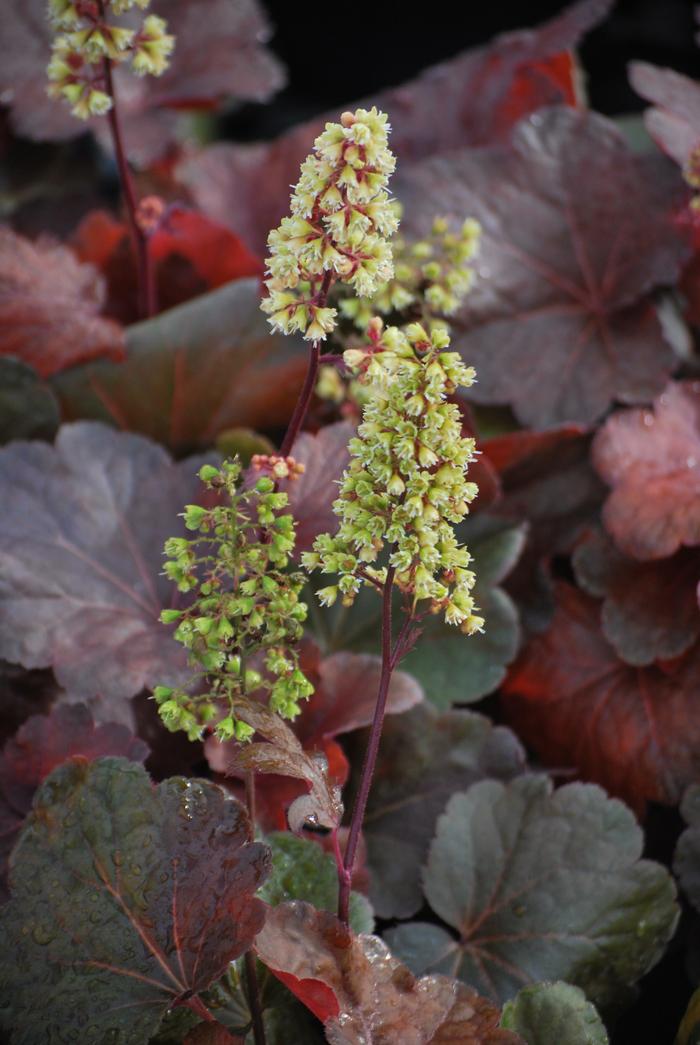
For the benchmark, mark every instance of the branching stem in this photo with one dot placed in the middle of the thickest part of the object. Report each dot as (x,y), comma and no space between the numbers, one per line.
(302,407)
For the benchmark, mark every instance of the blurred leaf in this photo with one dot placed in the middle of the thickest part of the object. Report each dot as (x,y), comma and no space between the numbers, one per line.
(636,731)
(563,322)
(425,757)
(554,1014)
(117,886)
(651,458)
(686,862)
(325,457)
(674,122)
(28,407)
(541,885)
(650,609)
(193,372)
(363,994)
(50,306)
(81,547)
(302,871)
(689,1030)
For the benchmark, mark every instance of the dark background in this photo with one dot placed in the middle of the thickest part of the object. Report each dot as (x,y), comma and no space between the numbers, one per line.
(338,51)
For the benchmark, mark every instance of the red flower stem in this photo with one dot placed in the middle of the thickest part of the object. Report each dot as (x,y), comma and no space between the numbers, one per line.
(148,305)
(389,660)
(302,407)
(253,992)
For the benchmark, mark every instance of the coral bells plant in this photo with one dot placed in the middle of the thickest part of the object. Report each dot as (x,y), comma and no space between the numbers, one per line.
(246,617)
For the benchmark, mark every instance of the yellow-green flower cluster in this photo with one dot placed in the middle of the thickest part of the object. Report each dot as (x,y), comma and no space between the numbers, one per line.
(241,628)
(431,278)
(338,229)
(406,486)
(87,40)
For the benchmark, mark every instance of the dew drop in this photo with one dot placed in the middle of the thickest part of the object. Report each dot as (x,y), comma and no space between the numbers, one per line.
(42,935)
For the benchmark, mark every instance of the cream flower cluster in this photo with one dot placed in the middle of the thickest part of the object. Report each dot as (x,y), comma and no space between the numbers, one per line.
(86,40)
(406,486)
(341,218)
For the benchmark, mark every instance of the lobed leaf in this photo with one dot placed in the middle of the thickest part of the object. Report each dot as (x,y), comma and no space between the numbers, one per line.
(81,554)
(554,1014)
(565,324)
(193,372)
(50,306)
(424,757)
(126,900)
(636,731)
(541,885)
(480,95)
(651,459)
(650,609)
(362,994)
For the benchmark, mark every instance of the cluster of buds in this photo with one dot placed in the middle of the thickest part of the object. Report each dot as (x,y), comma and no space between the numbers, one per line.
(338,229)
(87,42)
(406,486)
(432,277)
(242,627)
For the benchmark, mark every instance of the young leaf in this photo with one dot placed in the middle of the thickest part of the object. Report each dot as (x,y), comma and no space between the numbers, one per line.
(554,1014)
(636,731)
(325,457)
(565,324)
(424,758)
(41,744)
(50,306)
(480,95)
(302,871)
(363,994)
(193,372)
(650,609)
(219,51)
(191,255)
(542,885)
(651,458)
(686,861)
(81,546)
(126,899)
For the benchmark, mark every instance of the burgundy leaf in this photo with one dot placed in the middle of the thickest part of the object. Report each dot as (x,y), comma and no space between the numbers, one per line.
(50,306)
(325,457)
(561,321)
(636,731)
(480,95)
(365,996)
(127,900)
(81,548)
(674,122)
(651,459)
(650,609)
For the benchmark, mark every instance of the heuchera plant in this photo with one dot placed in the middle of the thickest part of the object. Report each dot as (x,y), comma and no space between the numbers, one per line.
(278,535)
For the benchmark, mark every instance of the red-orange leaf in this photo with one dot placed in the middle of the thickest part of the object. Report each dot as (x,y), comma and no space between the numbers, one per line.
(636,731)
(50,306)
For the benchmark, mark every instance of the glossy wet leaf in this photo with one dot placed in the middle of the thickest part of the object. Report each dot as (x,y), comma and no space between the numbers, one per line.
(302,871)
(651,459)
(561,321)
(363,994)
(541,885)
(193,372)
(554,1014)
(636,731)
(28,407)
(81,552)
(41,744)
(126,898)
(650,609)
(480,95)
(424,757)
(50,306)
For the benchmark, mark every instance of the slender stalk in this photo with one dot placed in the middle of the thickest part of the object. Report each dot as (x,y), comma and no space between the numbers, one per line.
(148,304)
(302,406)
(389,660)
(253,992)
